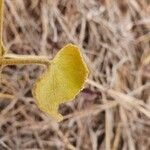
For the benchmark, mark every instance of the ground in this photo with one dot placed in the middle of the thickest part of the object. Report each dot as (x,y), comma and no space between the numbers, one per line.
(113,111)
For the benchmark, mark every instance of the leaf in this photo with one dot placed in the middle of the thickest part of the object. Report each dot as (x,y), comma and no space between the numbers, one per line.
(62,81)
(2,49)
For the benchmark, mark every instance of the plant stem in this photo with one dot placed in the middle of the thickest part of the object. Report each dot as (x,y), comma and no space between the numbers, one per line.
(17,59)
(2,49)
(1,19)
(24,60)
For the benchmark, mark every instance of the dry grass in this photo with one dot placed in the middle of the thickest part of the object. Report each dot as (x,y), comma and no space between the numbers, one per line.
(113,111)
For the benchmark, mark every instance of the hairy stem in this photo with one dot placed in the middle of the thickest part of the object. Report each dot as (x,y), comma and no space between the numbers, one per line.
(24,60)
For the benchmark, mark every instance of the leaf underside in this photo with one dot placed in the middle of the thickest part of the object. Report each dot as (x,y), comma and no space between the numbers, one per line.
(62,81)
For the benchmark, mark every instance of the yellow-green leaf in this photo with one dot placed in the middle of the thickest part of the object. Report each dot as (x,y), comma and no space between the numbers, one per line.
(2,49)
(62,81)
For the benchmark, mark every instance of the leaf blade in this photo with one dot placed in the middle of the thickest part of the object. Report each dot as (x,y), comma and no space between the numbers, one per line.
(62,81)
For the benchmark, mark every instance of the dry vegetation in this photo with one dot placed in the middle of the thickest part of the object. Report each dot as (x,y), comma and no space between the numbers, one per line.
(113,111)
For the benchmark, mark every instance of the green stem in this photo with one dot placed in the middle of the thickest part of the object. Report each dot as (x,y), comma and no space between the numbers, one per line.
(24,60)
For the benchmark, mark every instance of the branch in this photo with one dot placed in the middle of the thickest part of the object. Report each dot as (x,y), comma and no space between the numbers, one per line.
(24,60)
